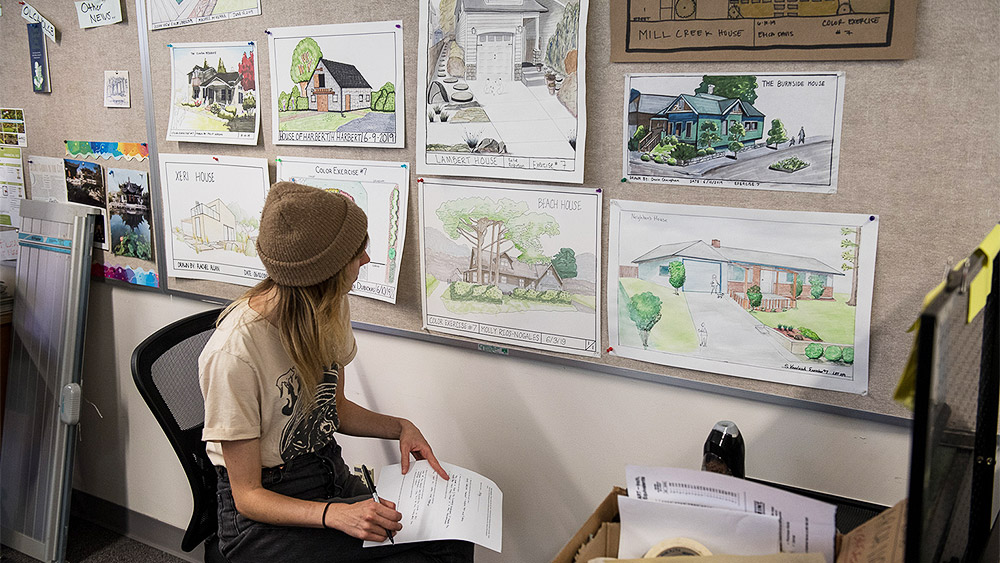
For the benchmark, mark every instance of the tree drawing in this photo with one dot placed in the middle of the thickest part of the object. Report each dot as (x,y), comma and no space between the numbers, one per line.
(736,133)
(777,133)
(495,227)
(645,311)
(385,98)
(247,79)
(565,263)
(305,57)
(222,66)
(678,275)
(564,39)
(817,285)
(709,134)
(850,256)
(447,16)
(742,87)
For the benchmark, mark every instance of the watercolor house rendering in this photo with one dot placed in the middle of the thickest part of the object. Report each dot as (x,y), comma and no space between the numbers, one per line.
(212,222)
(513,274)
(211,86)
(642,107)
(730,271)
(683,116)
(500,37)
(337,86)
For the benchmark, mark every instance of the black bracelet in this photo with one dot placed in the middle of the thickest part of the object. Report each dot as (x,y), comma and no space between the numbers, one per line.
(325,508)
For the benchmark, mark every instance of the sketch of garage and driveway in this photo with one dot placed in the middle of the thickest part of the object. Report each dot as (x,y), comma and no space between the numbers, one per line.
(774,295)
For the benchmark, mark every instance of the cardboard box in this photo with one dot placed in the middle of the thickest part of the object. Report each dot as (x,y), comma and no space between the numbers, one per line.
(880,539)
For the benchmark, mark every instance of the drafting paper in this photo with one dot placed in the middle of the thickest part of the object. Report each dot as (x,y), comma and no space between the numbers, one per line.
(116,89)
(779,296)
(727,30)
(338,85)
(466,507)
(97,13)
(646,523)
(212,207)
(512,264)
(11,186)
(129,210)
(676,132)
(12,130)
(808,525)
(214,95)
(502,89)
(85,186)
(48,178)
(381,189)
(173,13)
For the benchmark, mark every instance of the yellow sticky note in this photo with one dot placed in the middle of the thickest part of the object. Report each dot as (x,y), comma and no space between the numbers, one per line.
(979,287)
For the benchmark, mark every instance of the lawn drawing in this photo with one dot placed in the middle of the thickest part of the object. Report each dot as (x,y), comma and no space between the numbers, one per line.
(213,93)
(512,264)
(338,85)
(212,211)
(773,295)
(381,189)
(172,13)
(85,185)
(775,131)
(501,89)
(129,214)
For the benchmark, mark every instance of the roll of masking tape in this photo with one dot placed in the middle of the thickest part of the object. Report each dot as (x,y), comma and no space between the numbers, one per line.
(676,546)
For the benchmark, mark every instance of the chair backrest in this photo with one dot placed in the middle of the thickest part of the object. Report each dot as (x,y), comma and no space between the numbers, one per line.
(165,370)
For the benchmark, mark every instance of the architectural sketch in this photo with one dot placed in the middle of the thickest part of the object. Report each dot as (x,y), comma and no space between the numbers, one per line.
(214,93)
(212,211)
(766,131)
(338,85)
(741,30)
(129,213)
(785,296)
(502,89)
(512,264)
(381,189)
(172,13)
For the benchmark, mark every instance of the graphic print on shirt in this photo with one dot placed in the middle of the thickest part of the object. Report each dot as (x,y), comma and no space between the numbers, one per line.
(310,426)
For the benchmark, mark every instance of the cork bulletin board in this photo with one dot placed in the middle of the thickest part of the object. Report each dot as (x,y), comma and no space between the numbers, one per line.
(918,149)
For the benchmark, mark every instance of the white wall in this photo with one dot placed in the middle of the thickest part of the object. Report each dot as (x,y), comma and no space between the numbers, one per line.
(554,438)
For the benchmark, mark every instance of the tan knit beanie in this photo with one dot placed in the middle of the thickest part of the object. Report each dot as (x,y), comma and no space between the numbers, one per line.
(307,235)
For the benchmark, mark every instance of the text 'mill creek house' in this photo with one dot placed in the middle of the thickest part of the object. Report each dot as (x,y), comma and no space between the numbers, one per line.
(337,86)
(683,116)
(731,271)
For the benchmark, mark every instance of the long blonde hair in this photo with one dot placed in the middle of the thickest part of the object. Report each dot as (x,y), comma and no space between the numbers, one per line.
(310,322)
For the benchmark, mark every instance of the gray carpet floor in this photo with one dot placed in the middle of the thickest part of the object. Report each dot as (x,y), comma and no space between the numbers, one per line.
(90,543)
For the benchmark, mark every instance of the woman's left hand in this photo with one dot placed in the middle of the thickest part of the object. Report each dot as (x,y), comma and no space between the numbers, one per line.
(411,441)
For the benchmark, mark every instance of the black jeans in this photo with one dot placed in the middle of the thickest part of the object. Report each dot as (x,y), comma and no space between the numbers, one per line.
(319,476)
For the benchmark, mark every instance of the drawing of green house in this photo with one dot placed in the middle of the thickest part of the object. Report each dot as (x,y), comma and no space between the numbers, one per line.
(712,268)
(685,115)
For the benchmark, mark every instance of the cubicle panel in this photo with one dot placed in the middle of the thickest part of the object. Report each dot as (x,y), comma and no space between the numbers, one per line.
(46,352)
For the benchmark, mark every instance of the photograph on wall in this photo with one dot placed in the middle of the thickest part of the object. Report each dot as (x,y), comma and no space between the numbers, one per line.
(213,93)
(501,89)
(381,190)
(12,131)
(164,14)
(781,296)
(755,30)
(338,85)
(512,264)
(129,214)
(85,185)
(774,131)
(212,211)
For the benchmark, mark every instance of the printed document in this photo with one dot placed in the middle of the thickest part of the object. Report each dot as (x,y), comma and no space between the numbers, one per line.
(466,507)
(807,525)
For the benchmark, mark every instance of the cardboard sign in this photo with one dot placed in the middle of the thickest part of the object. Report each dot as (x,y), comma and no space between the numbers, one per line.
(95,13)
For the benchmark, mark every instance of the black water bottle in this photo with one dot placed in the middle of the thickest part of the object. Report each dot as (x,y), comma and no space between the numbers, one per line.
(725,451)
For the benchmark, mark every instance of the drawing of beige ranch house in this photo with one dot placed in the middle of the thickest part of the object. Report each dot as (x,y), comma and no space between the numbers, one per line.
(213,86)
(337,86)
(512,274)
(500,37)
(712,267)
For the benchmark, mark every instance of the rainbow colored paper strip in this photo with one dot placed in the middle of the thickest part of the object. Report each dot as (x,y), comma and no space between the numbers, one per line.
(117,151)
(136,276)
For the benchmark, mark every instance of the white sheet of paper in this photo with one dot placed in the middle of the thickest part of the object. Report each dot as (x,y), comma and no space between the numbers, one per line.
(9,249)
(97,13)
(48,178)
(646,523)
(807,525)
(466,507)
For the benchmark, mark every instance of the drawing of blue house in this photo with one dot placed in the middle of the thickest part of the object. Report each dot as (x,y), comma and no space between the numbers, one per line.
(686,113)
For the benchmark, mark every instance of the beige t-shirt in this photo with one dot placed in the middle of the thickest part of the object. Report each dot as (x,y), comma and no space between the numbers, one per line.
(251,391)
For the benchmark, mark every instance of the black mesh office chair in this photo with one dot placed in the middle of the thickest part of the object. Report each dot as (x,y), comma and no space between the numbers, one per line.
(165,369)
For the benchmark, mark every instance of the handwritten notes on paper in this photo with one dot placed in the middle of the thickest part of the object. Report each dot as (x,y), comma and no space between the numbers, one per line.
(466,507)
(95,13)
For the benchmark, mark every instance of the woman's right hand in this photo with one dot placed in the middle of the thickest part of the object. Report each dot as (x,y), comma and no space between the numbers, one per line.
(365,520)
